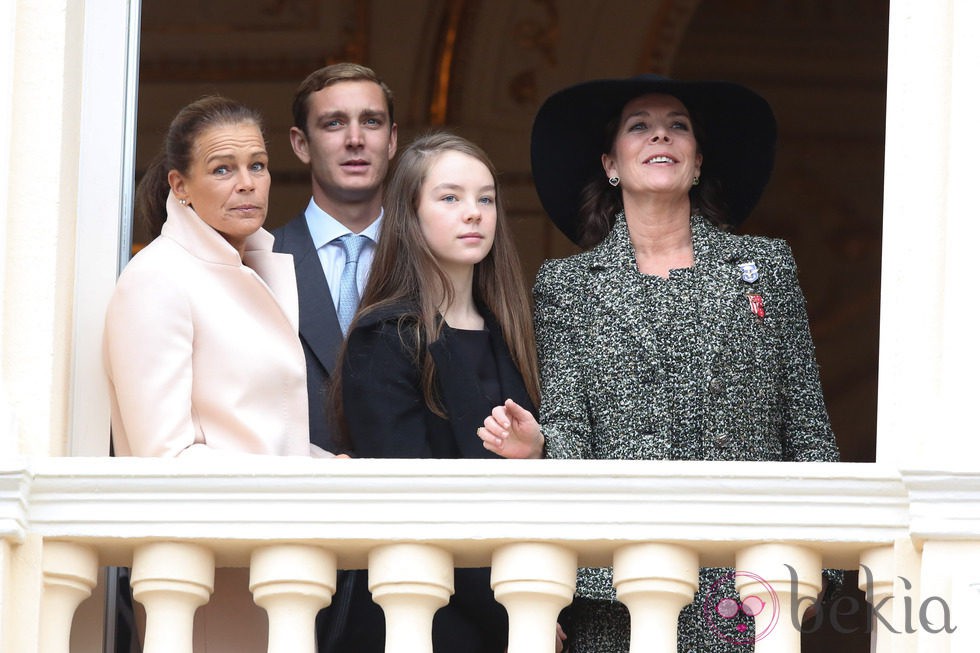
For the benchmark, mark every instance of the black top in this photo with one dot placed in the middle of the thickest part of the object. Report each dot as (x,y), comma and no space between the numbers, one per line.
(472,348)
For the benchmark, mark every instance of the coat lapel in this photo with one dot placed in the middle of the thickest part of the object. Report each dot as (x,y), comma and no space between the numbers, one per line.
(618,288)
(276,270)
(318,324)
(718,255)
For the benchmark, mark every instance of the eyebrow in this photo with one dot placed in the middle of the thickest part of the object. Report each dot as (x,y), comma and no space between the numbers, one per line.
(224,156)
(670,114)
(453,186)
(366,113)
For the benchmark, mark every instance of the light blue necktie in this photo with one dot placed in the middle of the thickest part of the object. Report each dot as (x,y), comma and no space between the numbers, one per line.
(349,295)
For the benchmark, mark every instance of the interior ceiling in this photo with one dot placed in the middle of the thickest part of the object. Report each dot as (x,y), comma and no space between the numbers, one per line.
(482,67)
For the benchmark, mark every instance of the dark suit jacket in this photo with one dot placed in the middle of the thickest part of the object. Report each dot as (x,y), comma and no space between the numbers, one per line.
(388,418)
(319,330)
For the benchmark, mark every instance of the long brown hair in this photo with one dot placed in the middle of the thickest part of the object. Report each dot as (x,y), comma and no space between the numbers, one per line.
(406,272)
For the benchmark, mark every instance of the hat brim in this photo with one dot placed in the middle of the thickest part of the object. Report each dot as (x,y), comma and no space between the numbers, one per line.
(738,140)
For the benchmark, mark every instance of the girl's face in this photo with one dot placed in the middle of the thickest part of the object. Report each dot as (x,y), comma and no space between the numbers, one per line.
(458,210)
(227,183)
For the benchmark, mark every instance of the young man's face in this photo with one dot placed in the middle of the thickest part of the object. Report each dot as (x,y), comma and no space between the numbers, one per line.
(348,143)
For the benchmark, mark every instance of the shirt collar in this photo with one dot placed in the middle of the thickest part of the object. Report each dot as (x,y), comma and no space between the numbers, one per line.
(324,228)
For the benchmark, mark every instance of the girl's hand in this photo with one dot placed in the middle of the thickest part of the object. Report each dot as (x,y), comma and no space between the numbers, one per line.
(512,432)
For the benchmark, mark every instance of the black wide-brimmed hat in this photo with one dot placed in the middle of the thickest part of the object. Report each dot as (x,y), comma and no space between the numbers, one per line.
(737,140)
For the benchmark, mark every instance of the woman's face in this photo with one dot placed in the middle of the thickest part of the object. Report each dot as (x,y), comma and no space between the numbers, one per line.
(227,182)
(654,150)
(458,210)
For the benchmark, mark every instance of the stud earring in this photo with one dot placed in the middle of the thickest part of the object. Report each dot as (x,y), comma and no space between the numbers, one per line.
(182,201)
(697,180)
(614,181)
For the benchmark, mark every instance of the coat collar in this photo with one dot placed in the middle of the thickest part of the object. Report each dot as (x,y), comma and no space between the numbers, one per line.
(191,232)
(712,246)
(185,227)
(622,294)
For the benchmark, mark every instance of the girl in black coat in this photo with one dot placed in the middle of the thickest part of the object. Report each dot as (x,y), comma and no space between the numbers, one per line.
(444,334)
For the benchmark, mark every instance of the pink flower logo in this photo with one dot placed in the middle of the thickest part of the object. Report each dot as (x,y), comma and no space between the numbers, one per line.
(733,620)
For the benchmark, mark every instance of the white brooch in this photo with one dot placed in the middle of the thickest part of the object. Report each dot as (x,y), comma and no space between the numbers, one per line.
(750,272)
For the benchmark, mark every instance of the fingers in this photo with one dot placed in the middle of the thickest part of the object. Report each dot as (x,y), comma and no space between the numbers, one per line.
(560,638)
(500,415)
(517,412)
(491,442)
(511,431)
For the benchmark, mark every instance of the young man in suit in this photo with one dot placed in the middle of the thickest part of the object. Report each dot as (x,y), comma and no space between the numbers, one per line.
(344,130)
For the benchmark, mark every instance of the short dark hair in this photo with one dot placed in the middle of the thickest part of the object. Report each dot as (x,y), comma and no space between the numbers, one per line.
(332,74)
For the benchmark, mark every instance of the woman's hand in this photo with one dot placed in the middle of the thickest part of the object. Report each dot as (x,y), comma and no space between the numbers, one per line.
(560,638)
(512,432)
(317,452)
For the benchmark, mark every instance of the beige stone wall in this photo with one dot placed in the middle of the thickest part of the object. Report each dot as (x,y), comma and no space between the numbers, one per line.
(40,198)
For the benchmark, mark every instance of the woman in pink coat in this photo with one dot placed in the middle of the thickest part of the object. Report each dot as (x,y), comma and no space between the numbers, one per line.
(201,342)
(201,345)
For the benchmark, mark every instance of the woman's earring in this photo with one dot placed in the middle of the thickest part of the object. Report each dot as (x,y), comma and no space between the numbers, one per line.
(697,180)
(614,181)
(183,202)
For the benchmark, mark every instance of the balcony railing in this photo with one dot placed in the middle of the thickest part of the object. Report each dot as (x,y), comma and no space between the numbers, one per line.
(293,522)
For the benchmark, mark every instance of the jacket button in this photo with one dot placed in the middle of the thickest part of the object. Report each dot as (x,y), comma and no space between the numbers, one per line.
(722,439)
(716,385)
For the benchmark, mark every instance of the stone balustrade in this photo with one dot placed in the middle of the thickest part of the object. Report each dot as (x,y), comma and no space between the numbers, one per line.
(294,522)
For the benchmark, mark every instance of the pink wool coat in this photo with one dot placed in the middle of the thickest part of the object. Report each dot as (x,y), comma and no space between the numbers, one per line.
(202,351)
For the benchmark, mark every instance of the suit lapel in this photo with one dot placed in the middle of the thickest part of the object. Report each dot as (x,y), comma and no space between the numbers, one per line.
(318,325)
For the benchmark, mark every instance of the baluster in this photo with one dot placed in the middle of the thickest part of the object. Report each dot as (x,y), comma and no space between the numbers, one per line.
(171,580)
(654,581)
(410,582)
(876,578)
(965,604)
(70,571)
(534,581)
(762,572)
(292,582)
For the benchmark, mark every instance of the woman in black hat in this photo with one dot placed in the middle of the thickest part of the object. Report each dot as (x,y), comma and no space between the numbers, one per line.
(669,338)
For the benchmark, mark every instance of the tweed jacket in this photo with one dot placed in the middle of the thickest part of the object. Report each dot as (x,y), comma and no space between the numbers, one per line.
(602,390)
(201,350)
